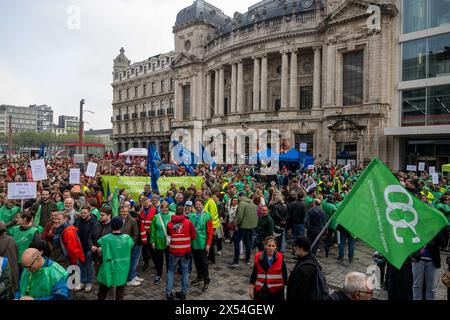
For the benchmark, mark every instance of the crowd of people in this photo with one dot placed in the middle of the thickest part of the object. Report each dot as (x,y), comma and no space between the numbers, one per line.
(187,227)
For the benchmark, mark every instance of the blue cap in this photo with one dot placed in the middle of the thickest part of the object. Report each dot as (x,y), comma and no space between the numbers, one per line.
(132,203)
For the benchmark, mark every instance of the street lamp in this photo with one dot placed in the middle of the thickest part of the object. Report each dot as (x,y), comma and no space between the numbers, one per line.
(80,142)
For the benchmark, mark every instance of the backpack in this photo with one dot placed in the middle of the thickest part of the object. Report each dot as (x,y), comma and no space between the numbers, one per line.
(321,290)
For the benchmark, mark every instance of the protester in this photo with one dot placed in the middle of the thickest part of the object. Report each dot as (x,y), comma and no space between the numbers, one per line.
(101,229)
(10,250)
(42,278)
(356,287)
(130,227)
(159,239)
(115,250)
(43,208)
(146,215)
(264,229)
(314,223)
(182,232)
(24,232)
(201,245)
(6,285)
(269,275)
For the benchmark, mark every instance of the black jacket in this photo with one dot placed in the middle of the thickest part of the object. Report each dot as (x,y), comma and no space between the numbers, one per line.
(279,214)
(302,279)
(315,220)
(297,212)
(99,231)
(85,230)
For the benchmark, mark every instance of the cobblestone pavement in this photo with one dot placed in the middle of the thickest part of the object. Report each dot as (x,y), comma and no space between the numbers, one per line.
(228,283)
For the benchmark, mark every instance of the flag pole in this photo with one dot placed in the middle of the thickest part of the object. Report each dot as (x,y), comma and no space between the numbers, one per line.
(322,231)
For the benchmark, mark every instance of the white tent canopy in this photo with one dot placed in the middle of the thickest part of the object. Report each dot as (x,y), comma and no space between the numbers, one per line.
(134,152)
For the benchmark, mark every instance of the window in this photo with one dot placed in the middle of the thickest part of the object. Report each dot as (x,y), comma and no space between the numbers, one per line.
(171,84)
(162,86)
(120,95)
(426,58)
(153,87)
(424,14)
(116,75)
(186,101)
(306,97)
(426,106)
(305,138)
(144,89)
(140,68)
(161,126)
(135,92)
(353,78)
(128,93)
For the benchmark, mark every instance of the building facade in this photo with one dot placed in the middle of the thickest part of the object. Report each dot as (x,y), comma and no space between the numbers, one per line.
(44,117)
(104,135)
(420,131)
(22,118)
(320,72)
(143,102)
(70,124)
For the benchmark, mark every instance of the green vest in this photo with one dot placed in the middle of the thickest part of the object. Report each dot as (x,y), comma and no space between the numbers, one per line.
(40,284)
(157,234)
(7,214)
(116,256)
(200,229)
(23,238)
(308,201)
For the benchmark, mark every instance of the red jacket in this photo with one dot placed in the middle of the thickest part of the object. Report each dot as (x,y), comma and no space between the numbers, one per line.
(273,277)
(71,243)
(146,221)
(182,231)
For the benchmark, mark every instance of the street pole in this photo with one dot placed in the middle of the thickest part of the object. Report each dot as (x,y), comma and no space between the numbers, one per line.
(81,127)
(10,136)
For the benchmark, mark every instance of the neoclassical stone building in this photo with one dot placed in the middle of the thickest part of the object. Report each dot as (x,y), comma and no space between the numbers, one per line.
(321,72)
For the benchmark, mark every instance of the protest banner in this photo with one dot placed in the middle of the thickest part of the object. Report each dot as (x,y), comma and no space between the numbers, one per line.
(432,170)
(421,166)
(38,170)
(135,185)
(308,184)
(91,169)
(78,158)
(74,176)
(21,190)
(411,167)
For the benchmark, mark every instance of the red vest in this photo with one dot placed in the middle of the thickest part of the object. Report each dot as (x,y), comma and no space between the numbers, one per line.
(180,241)
(273,277)
(146,223)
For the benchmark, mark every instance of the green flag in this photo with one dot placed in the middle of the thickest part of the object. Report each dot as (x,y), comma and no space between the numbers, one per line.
(115,204)
(382,213)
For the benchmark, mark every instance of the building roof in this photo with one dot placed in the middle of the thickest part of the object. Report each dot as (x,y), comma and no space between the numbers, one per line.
(203,12)
(98,132)
(99,145)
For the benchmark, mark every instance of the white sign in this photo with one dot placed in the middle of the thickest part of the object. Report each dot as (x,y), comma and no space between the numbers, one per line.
(21,190)
(347,167)
(421,166)
(308,184)
(303,147)
(432,170)
(38,170)
(410,167)
(91,169)
(435,177)
(78,158)
(74,176)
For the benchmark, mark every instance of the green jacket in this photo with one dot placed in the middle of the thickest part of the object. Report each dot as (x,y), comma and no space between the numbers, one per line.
(200,229)
(116,257)
(60,205)
(23,238)
(265,227)
(157,234)
(246,216)
(211,207)
(7,214)
(96,213)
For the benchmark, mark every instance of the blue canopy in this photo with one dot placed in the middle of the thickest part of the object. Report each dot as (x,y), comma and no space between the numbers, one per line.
(294,155)
(263,155)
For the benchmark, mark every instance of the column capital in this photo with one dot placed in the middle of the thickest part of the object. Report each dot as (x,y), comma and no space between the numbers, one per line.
(256,57)
(284,51)
(317,47)
(293,50)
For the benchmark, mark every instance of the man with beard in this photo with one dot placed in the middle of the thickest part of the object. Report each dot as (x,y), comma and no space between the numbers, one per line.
(43,209)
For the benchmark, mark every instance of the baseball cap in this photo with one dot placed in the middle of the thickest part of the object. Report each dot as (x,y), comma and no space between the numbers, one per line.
(188,203)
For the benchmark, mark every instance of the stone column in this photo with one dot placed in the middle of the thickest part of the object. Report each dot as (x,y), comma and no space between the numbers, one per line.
(256,83)
(221,91)
(264,82)
(293,95)
(240,87)
(316,83)
(233,87)
(216,92)
(208,96)
(284,79)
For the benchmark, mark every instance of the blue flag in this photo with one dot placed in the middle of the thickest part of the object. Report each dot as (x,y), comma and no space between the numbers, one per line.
(206,157)
(185,157)
(41,151)
(108,191)
(152,166)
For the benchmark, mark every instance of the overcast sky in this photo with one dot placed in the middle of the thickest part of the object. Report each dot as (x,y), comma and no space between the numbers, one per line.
(43,61)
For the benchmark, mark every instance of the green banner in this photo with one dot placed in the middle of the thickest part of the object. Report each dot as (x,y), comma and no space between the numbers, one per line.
(382,213)
(135,185)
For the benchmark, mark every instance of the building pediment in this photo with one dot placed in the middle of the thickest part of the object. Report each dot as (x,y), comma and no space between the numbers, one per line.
(183,59)
(357,9)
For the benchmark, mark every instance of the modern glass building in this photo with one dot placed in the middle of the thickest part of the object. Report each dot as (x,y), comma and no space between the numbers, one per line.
(421,123)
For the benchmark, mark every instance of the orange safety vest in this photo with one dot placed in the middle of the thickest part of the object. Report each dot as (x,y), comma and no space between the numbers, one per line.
(273,277)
